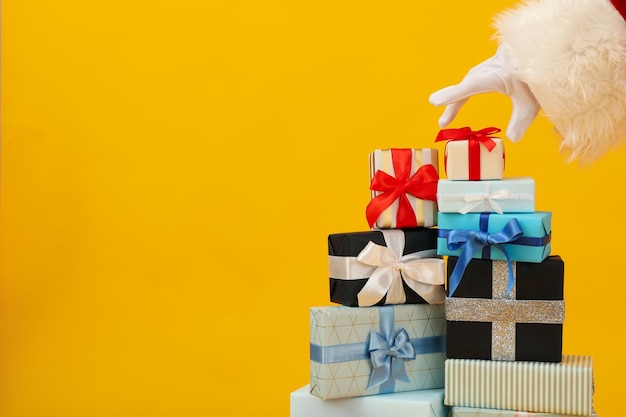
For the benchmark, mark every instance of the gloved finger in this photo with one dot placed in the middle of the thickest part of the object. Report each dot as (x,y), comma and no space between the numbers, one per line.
(450,112)
(525,110)
(472,84)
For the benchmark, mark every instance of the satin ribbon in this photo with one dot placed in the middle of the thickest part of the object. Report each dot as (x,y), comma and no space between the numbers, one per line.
(475,138)
(360,351)
(386,268)
(422,184)
(386,358)
(424,276)
(385,349)
(471,241)
(388,352)
(475,200)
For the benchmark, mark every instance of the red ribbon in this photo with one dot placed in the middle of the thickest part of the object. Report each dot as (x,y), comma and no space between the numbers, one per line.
(422,184)
(475,138)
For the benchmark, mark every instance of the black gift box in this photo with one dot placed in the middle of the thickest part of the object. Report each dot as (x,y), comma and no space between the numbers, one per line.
(533,281)
(344,291)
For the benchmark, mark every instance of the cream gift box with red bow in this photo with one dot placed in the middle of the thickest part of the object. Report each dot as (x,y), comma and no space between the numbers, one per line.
(472,155)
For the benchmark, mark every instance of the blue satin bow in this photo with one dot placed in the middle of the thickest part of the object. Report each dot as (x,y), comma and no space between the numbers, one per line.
(385,349)
(471,241)
(387,359)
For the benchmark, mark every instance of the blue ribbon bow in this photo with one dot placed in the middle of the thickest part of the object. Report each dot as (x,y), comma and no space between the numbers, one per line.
(386,358)
(471,241)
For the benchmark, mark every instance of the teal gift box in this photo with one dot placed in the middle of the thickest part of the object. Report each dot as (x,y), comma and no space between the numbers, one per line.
(524,237)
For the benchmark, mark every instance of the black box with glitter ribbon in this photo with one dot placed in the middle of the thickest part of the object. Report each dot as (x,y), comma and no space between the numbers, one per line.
(386,266)
(508,311)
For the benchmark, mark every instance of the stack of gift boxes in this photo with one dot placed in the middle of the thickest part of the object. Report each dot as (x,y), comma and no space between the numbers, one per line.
(489,344)
(504,308)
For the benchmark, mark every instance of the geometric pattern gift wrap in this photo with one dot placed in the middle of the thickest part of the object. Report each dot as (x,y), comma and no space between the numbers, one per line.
(488,412)
(359,351)
(534,387)
(525,324)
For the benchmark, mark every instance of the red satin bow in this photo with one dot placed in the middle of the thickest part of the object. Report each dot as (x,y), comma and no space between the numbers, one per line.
(482,136)
(422,184)
(475,138)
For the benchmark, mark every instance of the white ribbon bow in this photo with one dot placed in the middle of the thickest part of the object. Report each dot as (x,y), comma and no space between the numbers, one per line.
(475,200)
(424,276)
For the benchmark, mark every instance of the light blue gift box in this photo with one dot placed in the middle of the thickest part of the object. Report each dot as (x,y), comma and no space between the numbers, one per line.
(360,351)
(509,195)
(426,403)
(488,412)
(532,246)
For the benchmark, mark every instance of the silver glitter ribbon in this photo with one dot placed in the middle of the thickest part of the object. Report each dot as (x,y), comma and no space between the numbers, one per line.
(504,312)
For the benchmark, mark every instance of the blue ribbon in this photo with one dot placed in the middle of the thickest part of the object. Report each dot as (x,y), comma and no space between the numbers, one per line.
(386,350)
(522,241)
(471,241)
(387,353)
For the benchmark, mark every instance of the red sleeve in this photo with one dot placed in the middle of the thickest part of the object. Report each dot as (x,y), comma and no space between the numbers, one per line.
(620,5)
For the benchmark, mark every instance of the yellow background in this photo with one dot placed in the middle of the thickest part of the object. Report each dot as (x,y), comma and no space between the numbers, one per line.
(171,171)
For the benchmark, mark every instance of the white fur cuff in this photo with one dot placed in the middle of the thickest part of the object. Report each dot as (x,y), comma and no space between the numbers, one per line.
(572,55)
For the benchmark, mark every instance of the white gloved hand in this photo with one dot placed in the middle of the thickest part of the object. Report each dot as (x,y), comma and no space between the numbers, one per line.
(495,74)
